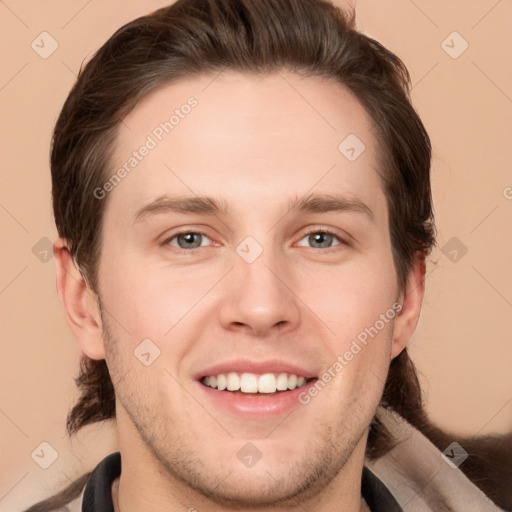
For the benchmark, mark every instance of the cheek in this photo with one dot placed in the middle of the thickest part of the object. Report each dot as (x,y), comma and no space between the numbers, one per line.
(358,304)
(149,302)
(350,298)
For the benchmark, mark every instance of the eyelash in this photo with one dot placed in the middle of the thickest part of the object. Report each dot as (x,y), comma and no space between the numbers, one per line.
(324,231)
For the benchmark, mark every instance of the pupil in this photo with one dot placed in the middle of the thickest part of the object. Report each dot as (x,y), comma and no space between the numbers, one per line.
(321,239)
(189,240)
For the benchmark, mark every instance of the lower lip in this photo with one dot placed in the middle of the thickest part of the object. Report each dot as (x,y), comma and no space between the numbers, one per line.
(256,406)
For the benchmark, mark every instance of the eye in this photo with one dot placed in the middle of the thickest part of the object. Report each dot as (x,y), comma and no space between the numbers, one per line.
(187,240)
(322,239)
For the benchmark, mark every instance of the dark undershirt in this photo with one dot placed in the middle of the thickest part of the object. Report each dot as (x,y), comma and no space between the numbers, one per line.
(98,490)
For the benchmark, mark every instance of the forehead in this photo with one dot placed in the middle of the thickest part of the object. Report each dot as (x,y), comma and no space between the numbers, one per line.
(248,139)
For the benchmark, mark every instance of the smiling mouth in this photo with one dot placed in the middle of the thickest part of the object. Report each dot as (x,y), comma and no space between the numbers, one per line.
(253,384)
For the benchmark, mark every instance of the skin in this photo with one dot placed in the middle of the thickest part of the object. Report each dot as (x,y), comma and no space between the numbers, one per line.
(256,143)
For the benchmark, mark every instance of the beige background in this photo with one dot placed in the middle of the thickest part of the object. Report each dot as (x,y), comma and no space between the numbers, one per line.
(463,343)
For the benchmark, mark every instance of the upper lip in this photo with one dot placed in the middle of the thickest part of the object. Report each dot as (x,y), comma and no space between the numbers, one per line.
(257,367)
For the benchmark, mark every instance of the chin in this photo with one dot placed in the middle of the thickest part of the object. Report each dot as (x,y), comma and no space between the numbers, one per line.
(257,488)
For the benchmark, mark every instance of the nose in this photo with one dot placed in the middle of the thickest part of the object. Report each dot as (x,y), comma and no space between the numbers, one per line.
(259,298)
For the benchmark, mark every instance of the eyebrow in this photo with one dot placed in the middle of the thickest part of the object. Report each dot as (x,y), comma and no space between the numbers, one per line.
(192,204)
(322,203)
(311,203)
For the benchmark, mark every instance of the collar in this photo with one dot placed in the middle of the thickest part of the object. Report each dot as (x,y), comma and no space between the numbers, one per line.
(97,495)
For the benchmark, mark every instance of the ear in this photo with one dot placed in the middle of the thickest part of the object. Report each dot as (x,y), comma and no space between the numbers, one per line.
(80,303)
(411,299)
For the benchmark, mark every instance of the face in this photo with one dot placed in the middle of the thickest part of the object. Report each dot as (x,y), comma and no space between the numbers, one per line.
(243,248)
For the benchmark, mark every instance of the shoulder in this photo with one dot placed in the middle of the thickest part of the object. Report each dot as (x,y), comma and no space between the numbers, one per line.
(91,492)
(73,506)
(419,476)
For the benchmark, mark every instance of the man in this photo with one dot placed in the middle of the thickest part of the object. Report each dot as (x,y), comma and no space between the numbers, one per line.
(242,194)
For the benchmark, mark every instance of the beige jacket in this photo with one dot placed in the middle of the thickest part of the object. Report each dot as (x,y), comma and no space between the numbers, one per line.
(419,477)
(415,472)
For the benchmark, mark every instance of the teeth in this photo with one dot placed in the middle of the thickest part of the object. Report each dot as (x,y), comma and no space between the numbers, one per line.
(282,382)
(254,383)
(267,383)
(233,382)
(222,382)
(248,383)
